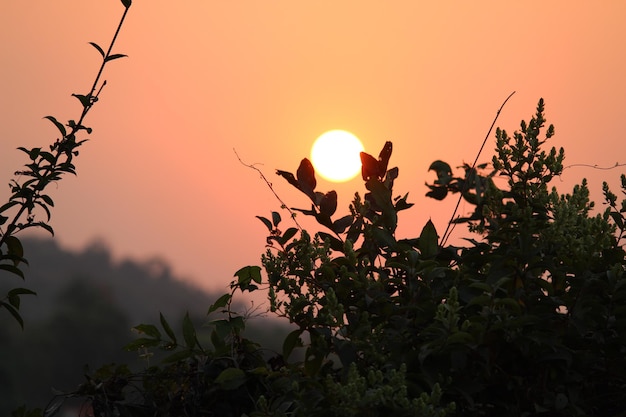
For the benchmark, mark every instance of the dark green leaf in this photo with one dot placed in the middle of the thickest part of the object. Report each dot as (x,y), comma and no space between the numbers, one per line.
(291,342)
(189,332)
(428,241)
(12,269)
(14,300)
(217,340)
(167,328)
(13,311)
(220,303)
(21,291)
(247,274)
(149,330)
(15,249)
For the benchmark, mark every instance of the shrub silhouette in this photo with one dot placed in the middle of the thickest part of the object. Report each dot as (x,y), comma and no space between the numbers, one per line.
(527,319)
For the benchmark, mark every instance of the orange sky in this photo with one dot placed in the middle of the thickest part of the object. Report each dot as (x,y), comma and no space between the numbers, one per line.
(159,176)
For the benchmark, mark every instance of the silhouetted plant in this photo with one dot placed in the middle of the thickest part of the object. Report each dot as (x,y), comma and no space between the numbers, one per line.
(528,319)
(45,167)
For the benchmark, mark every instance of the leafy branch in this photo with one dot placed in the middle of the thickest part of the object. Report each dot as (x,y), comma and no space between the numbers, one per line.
(45,167)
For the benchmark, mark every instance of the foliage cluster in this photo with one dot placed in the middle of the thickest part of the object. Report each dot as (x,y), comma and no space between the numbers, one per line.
(527,319)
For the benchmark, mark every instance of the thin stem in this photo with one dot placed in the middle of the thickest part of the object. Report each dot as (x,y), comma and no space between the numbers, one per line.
(100,71)
(451,224)
(40,185)
(269,184)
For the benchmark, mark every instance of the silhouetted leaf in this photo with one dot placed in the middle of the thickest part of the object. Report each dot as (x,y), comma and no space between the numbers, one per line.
(127,3)
(289,233)
(369,167)
(114,56)
(292,341)
(247,274)
(12,269)
(8,205)
(167,328)
(328,205)
(266,222)
(438,193)
(289,177)
(84,100)
(95,45)
(383,158)
(21,291)
(275,218)
(335,244)
(189,332)
(340,225)
(14,312)
(443,171)
(306,177)
(57,124)
(148,330)
(428,241)
(220,303)
(15,251)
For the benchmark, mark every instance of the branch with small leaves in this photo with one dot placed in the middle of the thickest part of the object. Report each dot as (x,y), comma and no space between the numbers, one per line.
(44,168)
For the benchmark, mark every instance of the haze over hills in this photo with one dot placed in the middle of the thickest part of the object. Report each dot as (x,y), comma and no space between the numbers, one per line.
(139,289)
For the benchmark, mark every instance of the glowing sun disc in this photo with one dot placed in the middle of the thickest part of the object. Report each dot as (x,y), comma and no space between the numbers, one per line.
(335,155)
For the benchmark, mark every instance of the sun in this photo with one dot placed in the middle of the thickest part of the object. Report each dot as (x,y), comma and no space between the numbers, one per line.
(336,155)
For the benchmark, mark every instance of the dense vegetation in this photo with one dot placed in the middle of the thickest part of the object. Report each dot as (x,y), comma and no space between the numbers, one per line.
(527,318)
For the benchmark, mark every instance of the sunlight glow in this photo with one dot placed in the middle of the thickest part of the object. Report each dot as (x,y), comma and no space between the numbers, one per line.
(335,155)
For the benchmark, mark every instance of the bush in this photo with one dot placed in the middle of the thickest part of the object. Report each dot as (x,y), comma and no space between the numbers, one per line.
(527,319)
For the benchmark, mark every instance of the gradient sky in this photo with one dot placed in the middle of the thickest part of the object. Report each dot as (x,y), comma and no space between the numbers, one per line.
(159,176)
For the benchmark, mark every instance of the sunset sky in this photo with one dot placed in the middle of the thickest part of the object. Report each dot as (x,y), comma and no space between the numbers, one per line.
(159,176)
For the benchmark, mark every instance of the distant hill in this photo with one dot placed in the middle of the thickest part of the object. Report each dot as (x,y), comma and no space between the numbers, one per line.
(139,289)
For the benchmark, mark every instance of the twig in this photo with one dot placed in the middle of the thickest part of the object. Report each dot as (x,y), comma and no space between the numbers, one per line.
(451,224)
(595,166)
(269,184)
